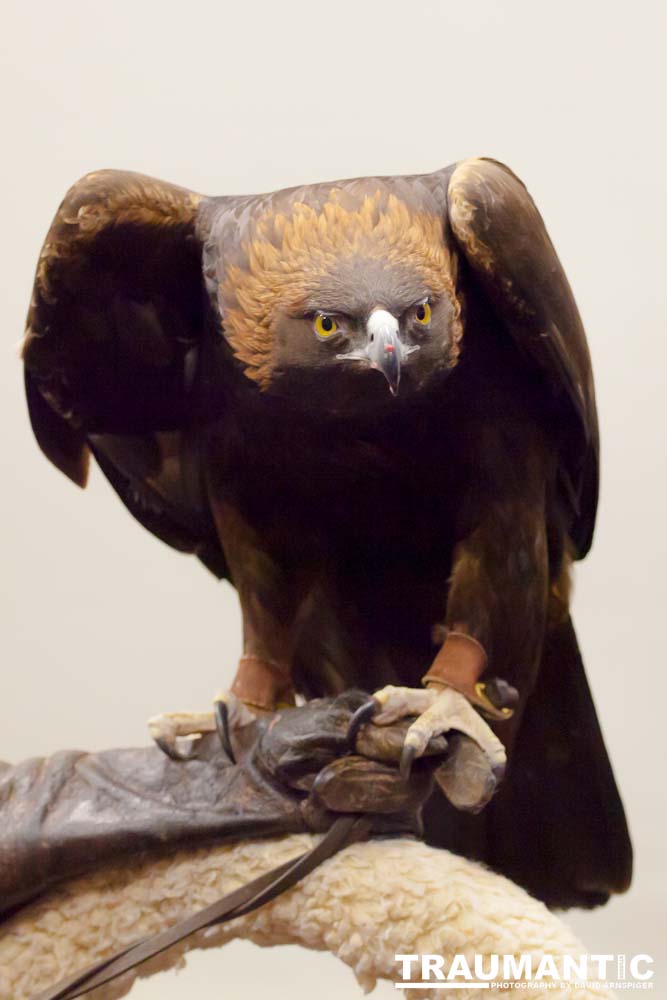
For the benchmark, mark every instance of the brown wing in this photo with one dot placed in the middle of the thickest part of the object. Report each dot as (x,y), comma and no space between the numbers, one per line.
(117,325)
(559,757)
(503,238)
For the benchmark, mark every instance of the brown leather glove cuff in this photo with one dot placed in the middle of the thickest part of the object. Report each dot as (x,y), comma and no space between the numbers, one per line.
(262,683)
(460,664)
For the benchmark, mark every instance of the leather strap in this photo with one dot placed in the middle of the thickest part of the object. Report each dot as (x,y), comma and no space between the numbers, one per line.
(345,830)
(460,664)
(263,683)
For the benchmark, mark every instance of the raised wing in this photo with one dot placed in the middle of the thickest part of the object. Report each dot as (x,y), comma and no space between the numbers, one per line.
(503,238)
(116,330)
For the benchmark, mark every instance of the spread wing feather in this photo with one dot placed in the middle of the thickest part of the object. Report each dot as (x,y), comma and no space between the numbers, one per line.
(503,238)
(115,331)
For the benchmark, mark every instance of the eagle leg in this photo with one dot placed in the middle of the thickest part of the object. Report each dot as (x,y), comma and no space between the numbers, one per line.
(170,730)
(441,710)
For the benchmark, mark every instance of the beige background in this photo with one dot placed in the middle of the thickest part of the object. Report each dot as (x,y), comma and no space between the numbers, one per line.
(104,625)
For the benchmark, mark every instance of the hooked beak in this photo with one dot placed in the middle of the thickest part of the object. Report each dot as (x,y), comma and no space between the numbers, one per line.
(384,349)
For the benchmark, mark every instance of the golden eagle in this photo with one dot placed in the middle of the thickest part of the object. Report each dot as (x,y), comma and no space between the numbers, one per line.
(369,405)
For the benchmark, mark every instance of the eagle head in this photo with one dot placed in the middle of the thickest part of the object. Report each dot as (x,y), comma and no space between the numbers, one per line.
(351,285)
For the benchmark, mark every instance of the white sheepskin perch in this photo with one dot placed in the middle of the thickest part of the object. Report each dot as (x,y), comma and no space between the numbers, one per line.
(370,902)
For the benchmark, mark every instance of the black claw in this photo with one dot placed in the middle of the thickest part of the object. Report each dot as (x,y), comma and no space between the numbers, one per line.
(221,715)
(408,754)
(359,718)
(172,752)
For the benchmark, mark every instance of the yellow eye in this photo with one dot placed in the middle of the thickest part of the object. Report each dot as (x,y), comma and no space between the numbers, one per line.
(423,313)
(325,325)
